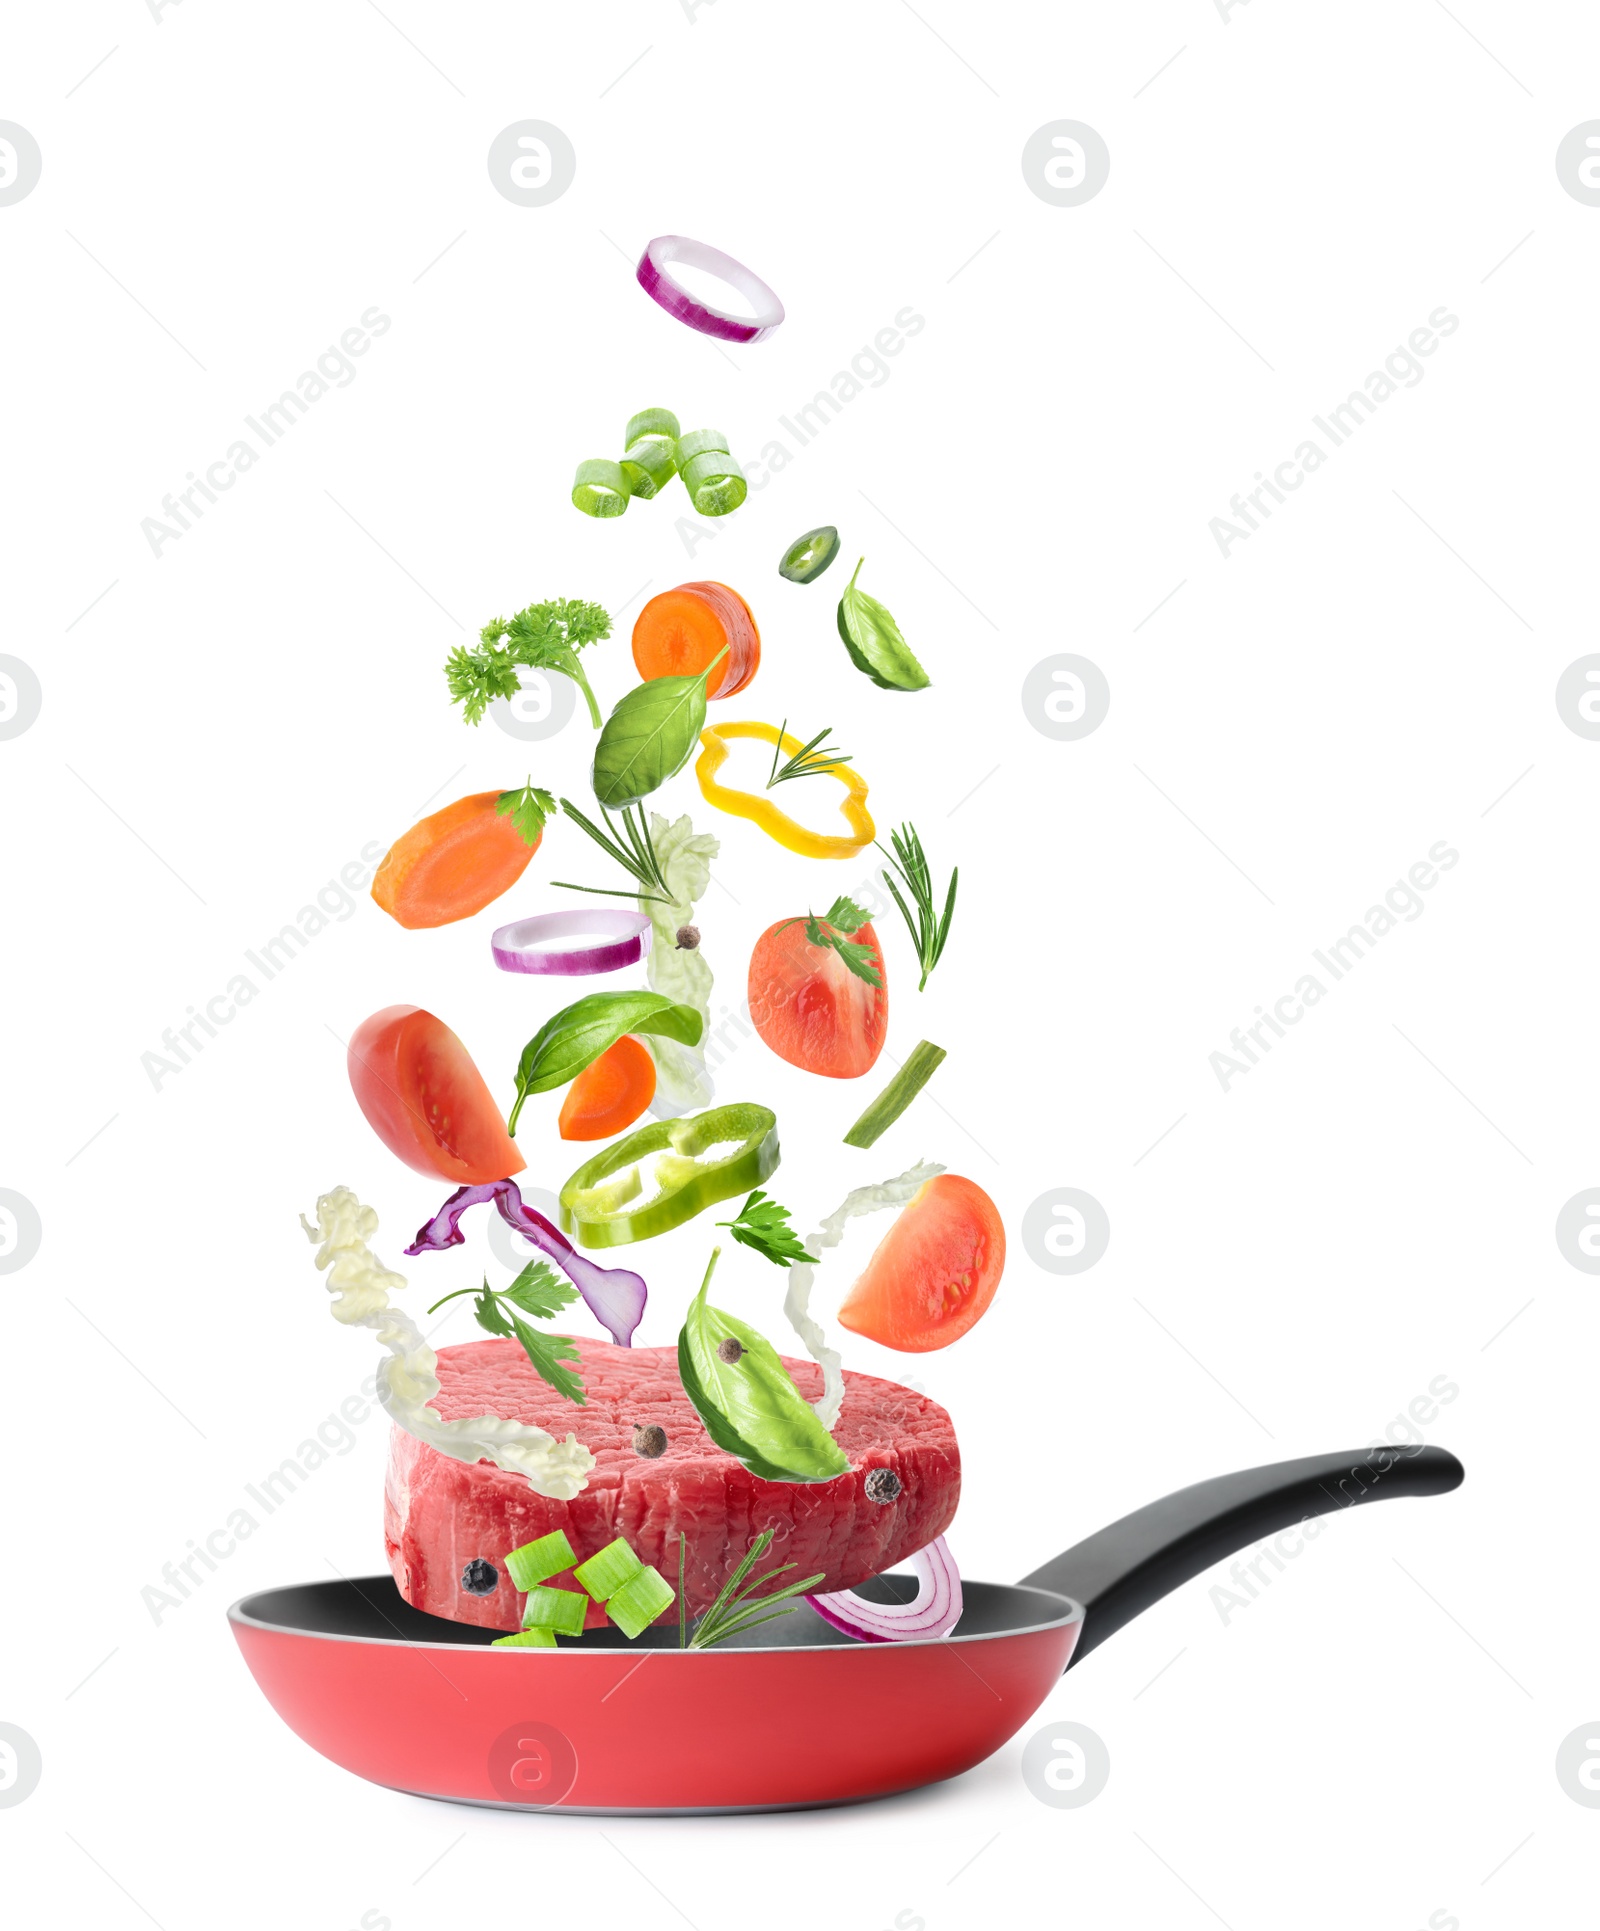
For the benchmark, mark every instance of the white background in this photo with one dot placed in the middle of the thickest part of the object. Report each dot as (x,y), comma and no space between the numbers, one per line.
(1372,1739)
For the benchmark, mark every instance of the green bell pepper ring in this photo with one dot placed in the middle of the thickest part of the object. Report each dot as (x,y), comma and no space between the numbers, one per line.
(605,1204)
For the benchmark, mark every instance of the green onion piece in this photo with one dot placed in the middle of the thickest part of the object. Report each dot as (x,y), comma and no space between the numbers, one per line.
(526,1639)
(600,489)
(605,1573)
(896,1096)
(649,466)
(637,1604)
(699,441)
(562,1609)
(809,555)
(715,482)
(659,424)
(537,1562)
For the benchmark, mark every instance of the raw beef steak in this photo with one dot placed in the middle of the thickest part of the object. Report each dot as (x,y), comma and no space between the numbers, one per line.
(439,1514)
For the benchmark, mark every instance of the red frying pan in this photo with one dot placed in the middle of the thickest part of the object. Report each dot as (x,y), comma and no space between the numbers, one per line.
(780,1722)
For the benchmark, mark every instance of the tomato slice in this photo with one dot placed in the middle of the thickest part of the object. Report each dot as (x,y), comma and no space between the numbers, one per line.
(810,1008)
(934,1273)
(610,1093)
(426,1101)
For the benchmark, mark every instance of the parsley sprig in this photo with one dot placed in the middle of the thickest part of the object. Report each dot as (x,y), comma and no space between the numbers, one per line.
(527,809)
(538,1290)
(836,930)
(764,1225)
(808,761)
(545,636)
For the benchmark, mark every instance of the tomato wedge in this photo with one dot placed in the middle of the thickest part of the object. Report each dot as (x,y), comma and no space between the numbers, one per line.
(426,1101)
(934,1273)
(610,1093)
(810,1008)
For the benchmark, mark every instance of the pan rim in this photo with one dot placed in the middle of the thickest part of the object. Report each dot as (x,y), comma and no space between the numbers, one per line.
(1074,1612)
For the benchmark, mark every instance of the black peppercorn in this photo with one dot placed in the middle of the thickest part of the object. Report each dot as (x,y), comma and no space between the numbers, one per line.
(480,1578)
(882,1485)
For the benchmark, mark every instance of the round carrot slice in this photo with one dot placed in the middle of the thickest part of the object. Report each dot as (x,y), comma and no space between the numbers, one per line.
(609,1094)
(452,863)
(934,1273)
(680,631)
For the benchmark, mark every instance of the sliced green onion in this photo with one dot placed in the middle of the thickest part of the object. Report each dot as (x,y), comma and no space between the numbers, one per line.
(562,1609)
(715,482)
(636,1605)
(896,1096)
(526,1639)
(660,424)
(605,1573)
(599,488)
(809,555)
(699,442)
(649,466)
(537,1562)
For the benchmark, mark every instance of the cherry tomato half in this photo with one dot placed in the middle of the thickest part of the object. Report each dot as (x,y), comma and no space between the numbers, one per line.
(810,1008)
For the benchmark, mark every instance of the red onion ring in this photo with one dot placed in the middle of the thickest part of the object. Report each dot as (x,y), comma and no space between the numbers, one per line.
(625,935)
(658,284)
(933,1611)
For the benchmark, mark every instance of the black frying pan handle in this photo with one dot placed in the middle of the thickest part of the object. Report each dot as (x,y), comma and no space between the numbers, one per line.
(1135,1562)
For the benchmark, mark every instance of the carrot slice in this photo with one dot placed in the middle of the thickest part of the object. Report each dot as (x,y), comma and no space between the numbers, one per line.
(453,863)
(609,1094)
(680,631)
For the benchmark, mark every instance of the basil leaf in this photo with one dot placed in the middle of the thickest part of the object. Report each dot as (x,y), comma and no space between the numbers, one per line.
(873,640)
(577,1035)
(750,1407)
(650,736)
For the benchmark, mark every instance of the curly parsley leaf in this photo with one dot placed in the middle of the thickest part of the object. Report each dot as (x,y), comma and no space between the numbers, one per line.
(762,1224)
(527,809)
(545,636)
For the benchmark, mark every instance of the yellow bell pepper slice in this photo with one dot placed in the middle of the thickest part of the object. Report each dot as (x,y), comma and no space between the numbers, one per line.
(763,812)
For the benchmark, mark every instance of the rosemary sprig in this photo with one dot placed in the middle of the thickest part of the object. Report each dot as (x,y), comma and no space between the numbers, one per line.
(808,761)
(636,854)
(928,928)
(738,1606)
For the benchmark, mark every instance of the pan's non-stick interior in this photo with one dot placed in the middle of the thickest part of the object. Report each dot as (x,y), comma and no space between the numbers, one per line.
(371,1609)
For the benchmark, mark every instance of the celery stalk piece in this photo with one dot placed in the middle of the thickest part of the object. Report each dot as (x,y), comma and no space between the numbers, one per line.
(896,1096)
(636,1605)
(537,1562)
(606,1572)
(562,1609)
(526,1639)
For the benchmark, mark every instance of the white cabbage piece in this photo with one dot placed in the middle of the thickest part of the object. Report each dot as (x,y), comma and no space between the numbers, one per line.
(683,1084)
(360,1285)
(797,1301)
